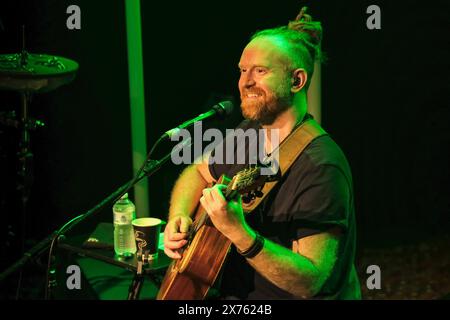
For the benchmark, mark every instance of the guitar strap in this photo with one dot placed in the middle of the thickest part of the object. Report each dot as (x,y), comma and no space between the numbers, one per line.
(289,150)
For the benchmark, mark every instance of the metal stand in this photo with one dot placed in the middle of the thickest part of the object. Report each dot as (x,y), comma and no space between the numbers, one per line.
(26,169)
(138,280)
(25,155)
(25,173)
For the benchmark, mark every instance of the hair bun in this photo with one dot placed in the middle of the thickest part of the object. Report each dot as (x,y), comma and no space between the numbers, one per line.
(303,23)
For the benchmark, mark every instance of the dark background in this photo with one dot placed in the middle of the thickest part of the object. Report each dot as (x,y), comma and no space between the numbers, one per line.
(384,100)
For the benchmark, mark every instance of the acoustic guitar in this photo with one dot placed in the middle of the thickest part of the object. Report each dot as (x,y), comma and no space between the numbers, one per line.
(191,277)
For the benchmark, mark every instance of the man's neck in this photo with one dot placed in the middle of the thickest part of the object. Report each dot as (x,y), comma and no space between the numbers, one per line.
(285,123)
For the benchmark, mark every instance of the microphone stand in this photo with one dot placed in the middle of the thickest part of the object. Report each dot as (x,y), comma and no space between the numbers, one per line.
(148,169)
(135,287)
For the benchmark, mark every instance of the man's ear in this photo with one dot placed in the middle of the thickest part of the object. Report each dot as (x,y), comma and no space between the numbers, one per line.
(299,78)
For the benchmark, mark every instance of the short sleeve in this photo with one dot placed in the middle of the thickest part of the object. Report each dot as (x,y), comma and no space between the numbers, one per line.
(325,201)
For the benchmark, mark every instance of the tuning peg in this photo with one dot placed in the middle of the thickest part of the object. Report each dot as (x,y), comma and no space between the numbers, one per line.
(250,196)
(246,199)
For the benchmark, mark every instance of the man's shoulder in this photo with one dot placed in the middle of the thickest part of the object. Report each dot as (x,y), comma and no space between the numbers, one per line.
(325,151)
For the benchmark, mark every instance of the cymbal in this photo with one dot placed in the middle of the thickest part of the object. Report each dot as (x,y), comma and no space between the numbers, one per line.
(35,73)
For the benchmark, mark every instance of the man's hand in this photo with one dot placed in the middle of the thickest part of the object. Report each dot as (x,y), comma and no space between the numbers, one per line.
(228,218)
(175,235)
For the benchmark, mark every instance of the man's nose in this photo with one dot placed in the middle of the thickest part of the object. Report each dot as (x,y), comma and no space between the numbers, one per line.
(247,80)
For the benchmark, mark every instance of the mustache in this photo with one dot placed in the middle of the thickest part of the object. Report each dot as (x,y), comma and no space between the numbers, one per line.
(252,91)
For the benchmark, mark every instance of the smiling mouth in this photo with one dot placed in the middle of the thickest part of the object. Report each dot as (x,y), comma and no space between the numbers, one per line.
(252,95)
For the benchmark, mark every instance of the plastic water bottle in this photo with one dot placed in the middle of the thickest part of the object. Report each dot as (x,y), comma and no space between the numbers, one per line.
(124,212)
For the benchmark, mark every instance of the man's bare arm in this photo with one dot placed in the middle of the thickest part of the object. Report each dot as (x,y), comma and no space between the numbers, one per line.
(188,189)
(302,271)
(185,195)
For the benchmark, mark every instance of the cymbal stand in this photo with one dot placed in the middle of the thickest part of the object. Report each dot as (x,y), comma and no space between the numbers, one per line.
(25,156)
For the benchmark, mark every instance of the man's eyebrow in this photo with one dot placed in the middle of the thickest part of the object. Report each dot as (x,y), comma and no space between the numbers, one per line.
(256,66)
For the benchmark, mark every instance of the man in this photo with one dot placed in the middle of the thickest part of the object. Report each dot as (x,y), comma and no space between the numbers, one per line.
(302,239)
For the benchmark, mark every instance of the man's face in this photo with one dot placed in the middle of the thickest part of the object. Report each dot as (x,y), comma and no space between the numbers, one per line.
(265,81)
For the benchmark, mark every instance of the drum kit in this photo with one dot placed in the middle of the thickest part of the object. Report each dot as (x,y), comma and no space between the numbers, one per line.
(29,74)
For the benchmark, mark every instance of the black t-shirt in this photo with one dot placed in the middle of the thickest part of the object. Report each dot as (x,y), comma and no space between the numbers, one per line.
(315,195)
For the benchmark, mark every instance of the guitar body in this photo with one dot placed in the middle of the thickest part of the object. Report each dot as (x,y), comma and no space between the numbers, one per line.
(191,277)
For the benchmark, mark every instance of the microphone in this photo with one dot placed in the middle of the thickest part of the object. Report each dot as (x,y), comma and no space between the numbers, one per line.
(220,110)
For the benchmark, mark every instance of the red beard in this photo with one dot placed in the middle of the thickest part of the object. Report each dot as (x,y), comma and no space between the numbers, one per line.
(264,108)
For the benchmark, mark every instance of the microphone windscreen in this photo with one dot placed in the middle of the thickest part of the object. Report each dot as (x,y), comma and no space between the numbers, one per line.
(224,108)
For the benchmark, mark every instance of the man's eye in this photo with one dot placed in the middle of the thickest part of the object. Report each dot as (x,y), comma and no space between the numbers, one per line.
(261,70)
(242,70)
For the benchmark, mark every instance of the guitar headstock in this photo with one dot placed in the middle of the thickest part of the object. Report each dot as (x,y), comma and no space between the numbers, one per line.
(247,181)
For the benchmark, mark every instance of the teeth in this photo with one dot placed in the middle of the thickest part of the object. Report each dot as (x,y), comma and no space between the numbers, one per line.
(252,95)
